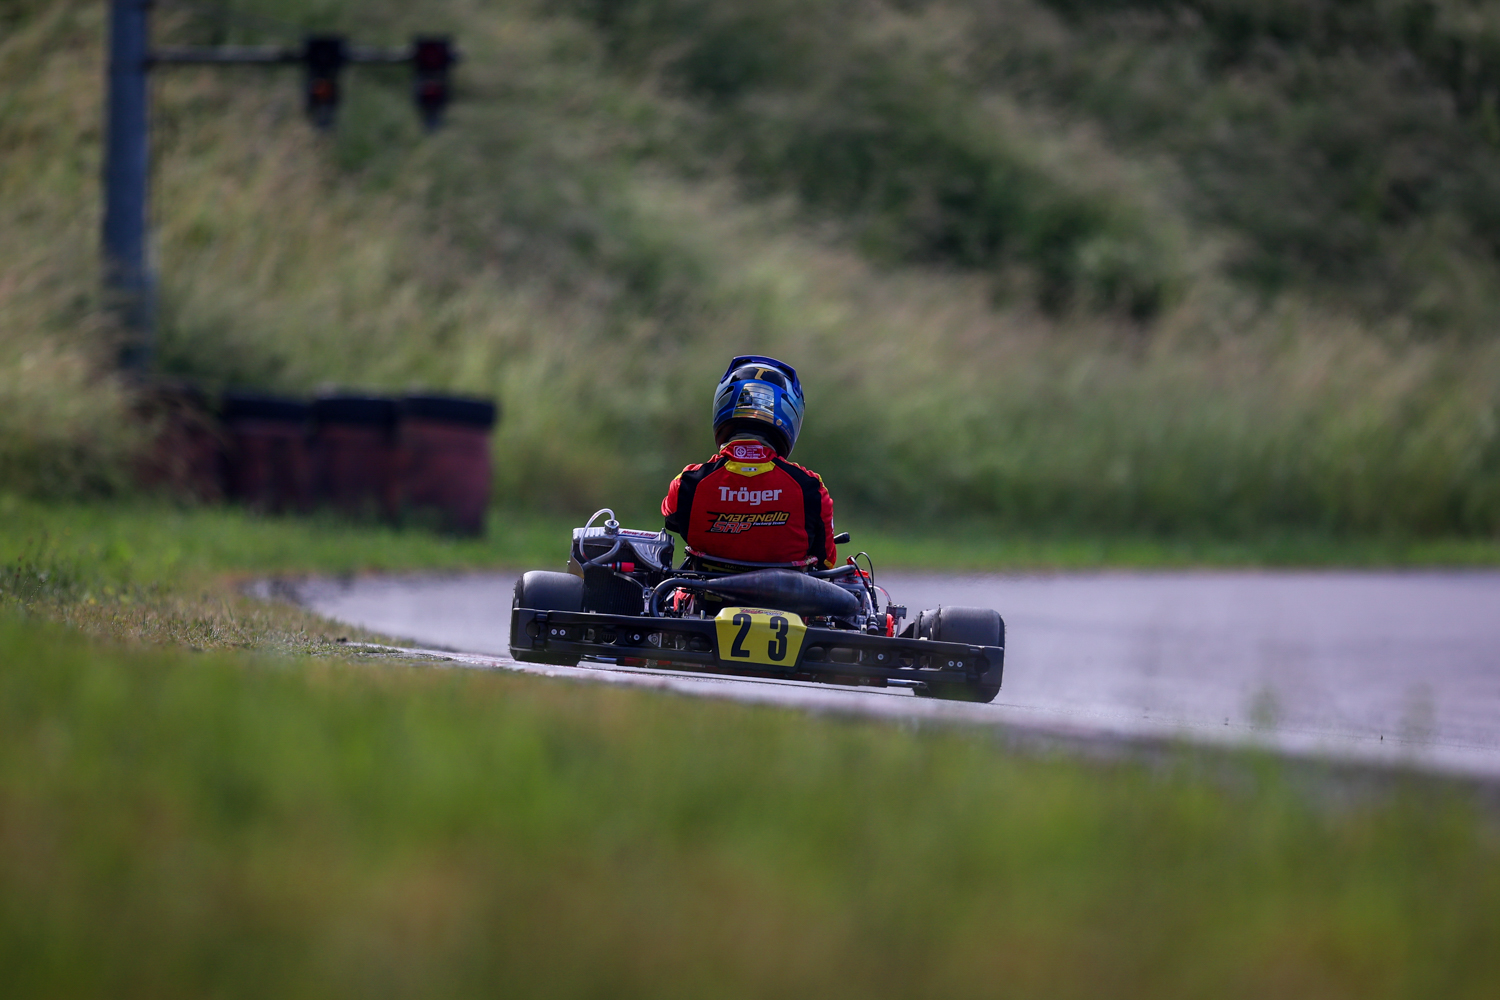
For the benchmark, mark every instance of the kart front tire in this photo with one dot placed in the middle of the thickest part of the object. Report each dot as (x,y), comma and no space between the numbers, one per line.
(971,626)
(544,590)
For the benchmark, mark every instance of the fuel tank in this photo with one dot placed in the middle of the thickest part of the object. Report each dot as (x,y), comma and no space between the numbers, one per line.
(786,590)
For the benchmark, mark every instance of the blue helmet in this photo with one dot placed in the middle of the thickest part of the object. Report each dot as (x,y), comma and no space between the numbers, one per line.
(759,395)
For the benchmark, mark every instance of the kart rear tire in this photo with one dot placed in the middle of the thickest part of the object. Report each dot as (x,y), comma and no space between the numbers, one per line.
(544,590)
(971,626)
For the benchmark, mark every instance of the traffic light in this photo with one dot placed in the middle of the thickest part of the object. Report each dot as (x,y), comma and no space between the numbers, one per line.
(324,56)
(431,57)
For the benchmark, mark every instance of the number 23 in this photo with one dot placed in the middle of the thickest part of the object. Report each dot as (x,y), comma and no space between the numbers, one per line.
(775,649)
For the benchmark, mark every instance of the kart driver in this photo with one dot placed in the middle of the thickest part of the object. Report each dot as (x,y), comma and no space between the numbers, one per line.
(749,503)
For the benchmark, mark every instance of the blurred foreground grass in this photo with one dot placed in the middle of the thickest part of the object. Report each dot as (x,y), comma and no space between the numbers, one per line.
(247,825)
(203,794)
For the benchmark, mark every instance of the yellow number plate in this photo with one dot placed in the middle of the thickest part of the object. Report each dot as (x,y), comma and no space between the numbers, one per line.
(755,635)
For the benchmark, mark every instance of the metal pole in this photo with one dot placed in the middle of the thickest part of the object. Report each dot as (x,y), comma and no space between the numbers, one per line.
(127,271)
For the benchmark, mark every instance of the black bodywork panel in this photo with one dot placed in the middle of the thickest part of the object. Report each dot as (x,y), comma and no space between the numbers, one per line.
(837,655)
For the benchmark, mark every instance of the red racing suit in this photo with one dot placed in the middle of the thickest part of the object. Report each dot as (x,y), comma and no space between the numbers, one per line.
(749,504)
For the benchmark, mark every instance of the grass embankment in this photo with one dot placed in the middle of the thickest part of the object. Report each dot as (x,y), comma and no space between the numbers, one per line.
(169,574)
(1070,267)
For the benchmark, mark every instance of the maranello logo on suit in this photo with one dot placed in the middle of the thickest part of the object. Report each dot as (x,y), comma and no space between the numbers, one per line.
(732,524)
(754,498)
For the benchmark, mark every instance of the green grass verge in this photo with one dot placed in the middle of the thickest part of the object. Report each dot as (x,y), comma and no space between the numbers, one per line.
(233,824)
(96,550)
(143,541)
(161,573)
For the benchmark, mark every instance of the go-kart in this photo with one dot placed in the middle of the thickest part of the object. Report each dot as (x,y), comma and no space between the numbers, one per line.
(623,602)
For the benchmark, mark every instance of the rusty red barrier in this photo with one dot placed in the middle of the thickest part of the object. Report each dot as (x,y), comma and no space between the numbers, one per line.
(445,450)
(186,455)
(268,452)
(355,455)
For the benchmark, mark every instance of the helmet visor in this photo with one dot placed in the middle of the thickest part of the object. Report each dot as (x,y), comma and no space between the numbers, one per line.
(755,399)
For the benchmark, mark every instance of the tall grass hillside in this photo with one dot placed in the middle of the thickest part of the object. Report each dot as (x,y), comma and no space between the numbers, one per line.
(1225,266)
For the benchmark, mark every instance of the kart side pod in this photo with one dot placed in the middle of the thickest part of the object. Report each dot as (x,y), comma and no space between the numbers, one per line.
(783,590)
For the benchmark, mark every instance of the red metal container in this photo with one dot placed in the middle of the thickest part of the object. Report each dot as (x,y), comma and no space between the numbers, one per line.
(186,456)
(268,456)
(355,455)
(445,446)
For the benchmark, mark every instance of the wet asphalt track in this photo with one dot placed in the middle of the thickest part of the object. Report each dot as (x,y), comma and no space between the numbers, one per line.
(1396,667)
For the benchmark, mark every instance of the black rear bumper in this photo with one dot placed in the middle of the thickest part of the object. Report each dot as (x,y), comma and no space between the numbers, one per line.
(692,643)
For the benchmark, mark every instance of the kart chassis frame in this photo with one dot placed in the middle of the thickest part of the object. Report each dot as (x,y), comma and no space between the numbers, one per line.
(836,655)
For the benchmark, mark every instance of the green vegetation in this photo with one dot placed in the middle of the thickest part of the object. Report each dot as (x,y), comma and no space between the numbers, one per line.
(1347,149)
(1219,268)
(148,541)
(181,825)
(169,575)
(100,550)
